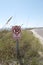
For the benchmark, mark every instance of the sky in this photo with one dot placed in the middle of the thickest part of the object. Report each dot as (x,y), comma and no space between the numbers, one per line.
(26,12)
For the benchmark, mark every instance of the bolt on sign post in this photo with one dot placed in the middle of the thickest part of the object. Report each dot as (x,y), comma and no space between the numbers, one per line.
(17,35)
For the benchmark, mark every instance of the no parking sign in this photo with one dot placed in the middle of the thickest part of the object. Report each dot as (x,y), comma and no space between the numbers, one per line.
(16,32)
(17,35)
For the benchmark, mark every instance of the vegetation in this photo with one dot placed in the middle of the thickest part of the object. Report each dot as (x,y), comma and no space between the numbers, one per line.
(28,45)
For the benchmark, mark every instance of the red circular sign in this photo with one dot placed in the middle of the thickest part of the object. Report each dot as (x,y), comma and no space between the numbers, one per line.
(16,30)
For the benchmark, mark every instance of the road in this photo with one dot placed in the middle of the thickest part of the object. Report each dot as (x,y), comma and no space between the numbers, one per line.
(39,31)
(39,34)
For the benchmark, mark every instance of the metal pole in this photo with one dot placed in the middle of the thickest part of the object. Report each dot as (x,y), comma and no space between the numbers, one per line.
(18,53)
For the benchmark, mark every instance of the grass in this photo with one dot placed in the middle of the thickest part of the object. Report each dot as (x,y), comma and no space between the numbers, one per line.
(29,47)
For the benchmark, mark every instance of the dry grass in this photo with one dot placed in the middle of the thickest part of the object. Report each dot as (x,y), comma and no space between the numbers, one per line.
(29,47)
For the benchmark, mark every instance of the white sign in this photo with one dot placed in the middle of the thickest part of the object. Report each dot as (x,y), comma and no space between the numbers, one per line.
(17,36)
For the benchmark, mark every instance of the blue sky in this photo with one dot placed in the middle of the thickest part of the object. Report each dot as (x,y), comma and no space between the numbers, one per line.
(26,12)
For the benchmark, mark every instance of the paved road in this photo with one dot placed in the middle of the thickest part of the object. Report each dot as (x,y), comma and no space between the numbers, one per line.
(39,34)
(39,31)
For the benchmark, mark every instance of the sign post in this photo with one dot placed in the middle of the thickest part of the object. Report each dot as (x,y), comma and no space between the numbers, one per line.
(17,35)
